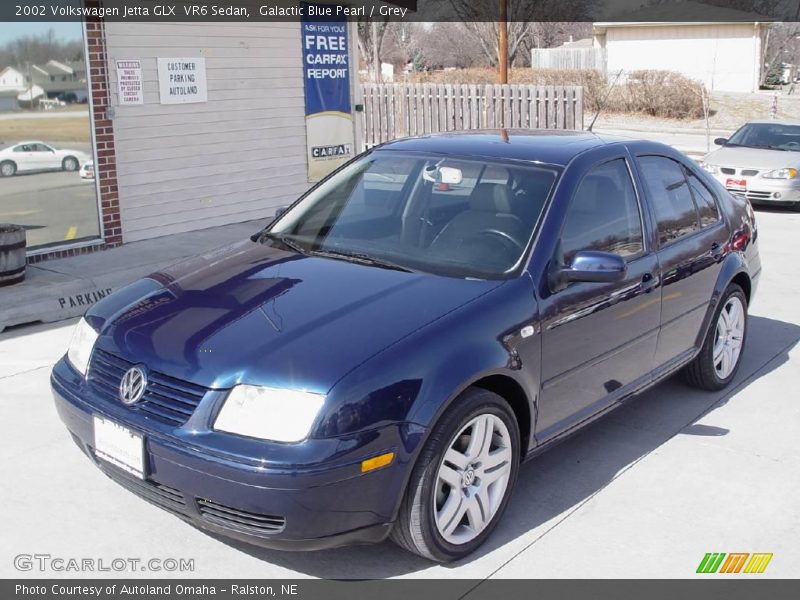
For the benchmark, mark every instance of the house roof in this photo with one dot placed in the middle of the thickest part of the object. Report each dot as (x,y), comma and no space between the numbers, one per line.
(10,68)
(683,13)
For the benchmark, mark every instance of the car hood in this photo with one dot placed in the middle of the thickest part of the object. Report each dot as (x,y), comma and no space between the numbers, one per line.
(753,158)
(251,313)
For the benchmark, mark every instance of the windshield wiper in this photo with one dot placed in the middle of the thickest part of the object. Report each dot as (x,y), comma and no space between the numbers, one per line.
(285,240)
(365,259)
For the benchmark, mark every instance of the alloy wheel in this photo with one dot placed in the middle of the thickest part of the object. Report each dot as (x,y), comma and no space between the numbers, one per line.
(472,479)
(729,337)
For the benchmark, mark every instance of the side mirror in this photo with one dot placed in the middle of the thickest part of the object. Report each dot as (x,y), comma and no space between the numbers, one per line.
(721,141)
(590,266)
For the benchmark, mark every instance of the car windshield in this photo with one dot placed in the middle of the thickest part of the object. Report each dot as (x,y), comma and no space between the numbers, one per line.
(772,136)
(439,214)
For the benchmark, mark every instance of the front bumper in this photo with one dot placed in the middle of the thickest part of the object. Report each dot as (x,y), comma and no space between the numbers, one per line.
(761,190)
(306,506)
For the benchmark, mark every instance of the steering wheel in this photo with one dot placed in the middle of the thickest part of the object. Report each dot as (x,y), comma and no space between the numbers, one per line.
(503,236)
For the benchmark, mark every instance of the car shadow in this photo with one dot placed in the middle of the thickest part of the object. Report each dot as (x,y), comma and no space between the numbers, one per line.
(558,481)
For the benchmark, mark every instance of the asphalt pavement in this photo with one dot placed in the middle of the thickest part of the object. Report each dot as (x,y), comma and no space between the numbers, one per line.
(644,492)
(54,206)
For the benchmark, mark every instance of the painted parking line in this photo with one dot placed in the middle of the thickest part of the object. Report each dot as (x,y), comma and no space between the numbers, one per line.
(18,213)
(71,232)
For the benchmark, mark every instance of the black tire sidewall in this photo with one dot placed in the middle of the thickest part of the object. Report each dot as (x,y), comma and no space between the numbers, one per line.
(476,402)
(707,353)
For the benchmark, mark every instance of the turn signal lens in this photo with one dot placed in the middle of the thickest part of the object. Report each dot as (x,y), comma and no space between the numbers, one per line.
(377,462)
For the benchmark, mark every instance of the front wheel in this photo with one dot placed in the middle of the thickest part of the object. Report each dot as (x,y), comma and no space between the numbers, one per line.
(719,358)
(70,163)
(462,480)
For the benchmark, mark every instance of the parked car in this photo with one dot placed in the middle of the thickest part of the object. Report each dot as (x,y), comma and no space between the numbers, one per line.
(380,359)
(760,162)
(87,170)
(38,156)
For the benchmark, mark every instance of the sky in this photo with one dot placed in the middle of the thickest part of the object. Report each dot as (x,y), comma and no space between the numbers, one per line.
(64,31)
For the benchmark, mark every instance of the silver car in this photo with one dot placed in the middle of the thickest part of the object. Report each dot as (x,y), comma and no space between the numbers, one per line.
(760,162)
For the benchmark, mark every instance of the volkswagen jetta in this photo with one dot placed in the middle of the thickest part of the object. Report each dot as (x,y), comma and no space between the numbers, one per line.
(380,358)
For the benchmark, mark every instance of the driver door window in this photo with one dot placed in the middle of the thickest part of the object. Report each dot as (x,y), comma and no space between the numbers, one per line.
(604,214)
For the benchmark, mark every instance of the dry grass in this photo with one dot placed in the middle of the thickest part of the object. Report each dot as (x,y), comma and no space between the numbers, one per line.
(57,129)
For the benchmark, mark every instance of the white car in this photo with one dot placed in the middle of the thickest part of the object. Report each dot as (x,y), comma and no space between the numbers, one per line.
(87,171)
(760,162)
(38,156)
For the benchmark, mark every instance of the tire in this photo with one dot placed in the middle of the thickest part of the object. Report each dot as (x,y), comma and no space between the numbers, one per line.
(70,163)
(429,498)
(708,372)
(8,168)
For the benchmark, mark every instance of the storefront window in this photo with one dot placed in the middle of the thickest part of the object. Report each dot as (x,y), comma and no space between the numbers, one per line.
(47,178)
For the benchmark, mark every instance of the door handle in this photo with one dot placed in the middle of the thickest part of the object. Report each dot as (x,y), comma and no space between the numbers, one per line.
(716,250)
(649,282)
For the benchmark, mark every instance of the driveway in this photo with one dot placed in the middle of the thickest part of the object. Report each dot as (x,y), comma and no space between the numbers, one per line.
(645,492)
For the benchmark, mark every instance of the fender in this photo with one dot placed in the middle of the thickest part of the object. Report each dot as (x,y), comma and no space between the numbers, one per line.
(733,264)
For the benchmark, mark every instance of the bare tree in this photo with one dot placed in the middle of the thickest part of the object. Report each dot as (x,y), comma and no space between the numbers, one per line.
(370,43)
(480,19)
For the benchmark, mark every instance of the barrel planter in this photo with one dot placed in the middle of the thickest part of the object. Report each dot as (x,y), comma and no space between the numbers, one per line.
(12,254)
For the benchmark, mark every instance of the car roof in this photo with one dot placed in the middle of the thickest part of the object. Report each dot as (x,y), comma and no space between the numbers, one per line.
(551,146)
(772,122)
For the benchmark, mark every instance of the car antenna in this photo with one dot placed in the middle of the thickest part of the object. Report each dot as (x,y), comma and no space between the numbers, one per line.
(603,101)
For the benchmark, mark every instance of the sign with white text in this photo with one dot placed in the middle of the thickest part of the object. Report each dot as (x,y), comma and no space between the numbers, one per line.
(129,82)
(326,77)
(182,80)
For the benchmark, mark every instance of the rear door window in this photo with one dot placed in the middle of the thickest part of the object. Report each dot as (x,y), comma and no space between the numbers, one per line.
(706,204)
(670,197)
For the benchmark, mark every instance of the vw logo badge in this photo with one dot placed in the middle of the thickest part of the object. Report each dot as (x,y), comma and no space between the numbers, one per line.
(131,388)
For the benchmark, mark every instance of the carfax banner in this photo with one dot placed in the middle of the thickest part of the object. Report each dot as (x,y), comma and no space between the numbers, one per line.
(326,76)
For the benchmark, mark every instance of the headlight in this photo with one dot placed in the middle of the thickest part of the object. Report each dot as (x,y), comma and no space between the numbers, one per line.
(713,169)
(268,413)
(81,345)
(787,173)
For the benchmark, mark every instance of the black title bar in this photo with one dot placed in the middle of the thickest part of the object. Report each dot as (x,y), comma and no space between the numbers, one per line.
(707,11)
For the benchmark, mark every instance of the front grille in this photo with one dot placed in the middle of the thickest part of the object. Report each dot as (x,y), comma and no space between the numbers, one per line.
(161,495)
(728,170)
(171,401)
(233,518)
(751,195)
(749,172)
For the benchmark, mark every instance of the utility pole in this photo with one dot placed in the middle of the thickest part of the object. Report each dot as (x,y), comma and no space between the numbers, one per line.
(502,54)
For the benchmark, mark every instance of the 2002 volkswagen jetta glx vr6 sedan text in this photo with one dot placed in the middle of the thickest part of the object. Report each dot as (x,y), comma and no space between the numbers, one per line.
(380,359)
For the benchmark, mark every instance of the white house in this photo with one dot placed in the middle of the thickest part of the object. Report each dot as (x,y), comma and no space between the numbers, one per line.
(11,80)
(725,54)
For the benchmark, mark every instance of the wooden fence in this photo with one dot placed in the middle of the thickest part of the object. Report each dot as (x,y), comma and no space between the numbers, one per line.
(398,110)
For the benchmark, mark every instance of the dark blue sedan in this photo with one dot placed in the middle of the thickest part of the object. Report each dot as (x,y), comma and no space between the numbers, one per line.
(380,359)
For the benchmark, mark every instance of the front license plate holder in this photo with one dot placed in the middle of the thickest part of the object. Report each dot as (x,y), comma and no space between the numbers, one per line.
(119,446)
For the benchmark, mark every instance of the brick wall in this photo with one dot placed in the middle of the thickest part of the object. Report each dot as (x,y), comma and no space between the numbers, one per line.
(106,163)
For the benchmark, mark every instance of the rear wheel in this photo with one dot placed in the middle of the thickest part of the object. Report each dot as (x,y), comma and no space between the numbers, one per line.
(8,168)
(716,364)
(462,481)
(70,163)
